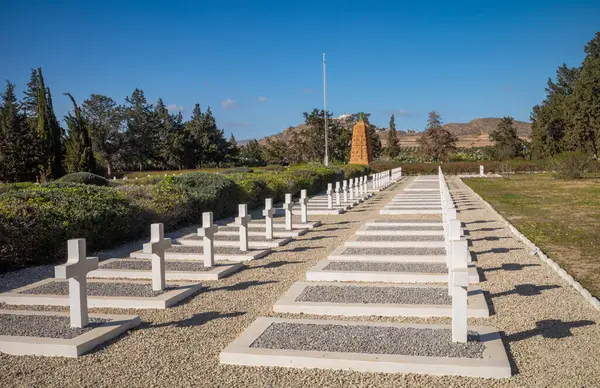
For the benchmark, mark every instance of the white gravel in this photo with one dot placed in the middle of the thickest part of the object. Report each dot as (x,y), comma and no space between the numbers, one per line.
(187,265)
(394,251)
(383,237)
(370,266)
(43,326)
(99,289)
(375,295)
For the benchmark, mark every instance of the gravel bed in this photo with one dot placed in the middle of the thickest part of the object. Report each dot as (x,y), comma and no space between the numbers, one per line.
(399,238)
(227,238)
(237,229)
(200,249)
(426,218)
(368,339)
(411,228)
(186,266)
(376,295)
(369,266)
(394,251)
(43,326)
(60,287)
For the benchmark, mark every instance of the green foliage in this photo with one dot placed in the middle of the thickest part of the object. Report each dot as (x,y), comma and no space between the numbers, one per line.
(515,165)
(85,178)
(570,165)
(79,155)
(437,142)
(251,154)
(392,145)
(507,144)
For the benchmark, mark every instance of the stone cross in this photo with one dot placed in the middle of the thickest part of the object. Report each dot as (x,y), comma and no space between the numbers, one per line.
(268,213)
(207,232)
(345,190)
(157,246)
(366,185)
(329,196)
(459,282)
(287,206)
(338,199)
(357,187)
(242,220)
(351,188)
(76,270)
(303,206)
(481,170)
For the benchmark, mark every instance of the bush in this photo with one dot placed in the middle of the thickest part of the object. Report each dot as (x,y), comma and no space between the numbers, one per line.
(570,165)
(237,169)
(85,178)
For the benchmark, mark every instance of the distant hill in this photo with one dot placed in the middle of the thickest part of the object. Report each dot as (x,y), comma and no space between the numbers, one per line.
(475,133)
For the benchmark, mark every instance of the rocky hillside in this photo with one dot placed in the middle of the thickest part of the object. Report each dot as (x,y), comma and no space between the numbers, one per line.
(472,134)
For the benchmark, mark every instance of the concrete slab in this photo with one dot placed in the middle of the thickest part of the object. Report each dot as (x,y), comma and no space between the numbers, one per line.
(254,242)
(354,242)
(220,270)
(336,255)
(74,347)
(477,306)
(319,273)
(364,231)
(251,254)
(276,234)
(493,364)
(319,212)
(409,211)
(174,294)
(403,223)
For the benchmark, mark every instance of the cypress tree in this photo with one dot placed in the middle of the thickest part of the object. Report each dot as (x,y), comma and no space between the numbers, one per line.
(392,145)
(79,155)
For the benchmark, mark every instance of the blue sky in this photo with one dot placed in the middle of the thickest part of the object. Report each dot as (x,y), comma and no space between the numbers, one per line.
(258,64)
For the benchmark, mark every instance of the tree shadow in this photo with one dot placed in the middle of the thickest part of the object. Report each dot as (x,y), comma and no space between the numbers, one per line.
(196,319)
(274,264)
(526,290)
(490,238)
(298,249)
(315,238)
(510,267)
(241,286)
(548,328)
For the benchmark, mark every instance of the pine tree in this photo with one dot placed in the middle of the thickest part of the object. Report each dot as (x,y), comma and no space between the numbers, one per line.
(436,141)
(507,144)
(392,145)
(79,155)
(17,141)
(251,153)
(142,136)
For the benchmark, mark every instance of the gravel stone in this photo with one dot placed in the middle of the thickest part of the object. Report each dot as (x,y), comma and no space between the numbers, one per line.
(368,339)
(405,228)
(227,238)
(394,251)
(412,218)
(200,249)
(141,264)
(375,295)
(60,287)
(369,266)
(43,326)
(399,238)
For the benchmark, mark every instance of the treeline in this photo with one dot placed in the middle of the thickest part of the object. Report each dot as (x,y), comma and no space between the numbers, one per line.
(102,136)
(569,117)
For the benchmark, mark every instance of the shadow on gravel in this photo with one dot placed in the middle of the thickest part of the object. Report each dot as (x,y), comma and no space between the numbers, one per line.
(548,328)
(526,290)
(498,250)
(274,264)
(195,320)
(240,286)
(332,229)
(478,222)
(299,249)
(489,238)
(319,238)
(510,267)
(490,302)
(485,229)
(482,277)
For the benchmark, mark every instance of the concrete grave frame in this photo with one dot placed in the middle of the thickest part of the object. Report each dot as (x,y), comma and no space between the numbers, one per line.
(494,363)
(353,242)
(336,255)
(180,292)
(287,303)
(251,254)
(364,231)
(74,347)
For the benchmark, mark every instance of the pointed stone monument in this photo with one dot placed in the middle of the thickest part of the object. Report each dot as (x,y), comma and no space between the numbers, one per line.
(361,151)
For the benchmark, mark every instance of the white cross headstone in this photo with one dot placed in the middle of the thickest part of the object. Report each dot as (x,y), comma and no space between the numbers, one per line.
(366,185)
(459,282)
(345,190)
(338,199)
(242,220)
(76,270)
(329,196)
(207,232)
(303,206)
(357,187)
(481,170)
(268,213)
(157,246)
(287,207)
(351,188)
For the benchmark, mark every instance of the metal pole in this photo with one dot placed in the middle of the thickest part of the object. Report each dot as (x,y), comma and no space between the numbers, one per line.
(326,161)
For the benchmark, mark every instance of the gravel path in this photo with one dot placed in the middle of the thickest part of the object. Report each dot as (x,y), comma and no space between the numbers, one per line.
(552,334)
(59,287)
(368,266)
(394,251)
(141,264)
(411,218)
(378,295)
(42,326)
(384,237)
(405,228)
(368,339)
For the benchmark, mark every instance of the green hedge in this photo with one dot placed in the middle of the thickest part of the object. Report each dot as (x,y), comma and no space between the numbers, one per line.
(86,178)
(37,220)
(462,167)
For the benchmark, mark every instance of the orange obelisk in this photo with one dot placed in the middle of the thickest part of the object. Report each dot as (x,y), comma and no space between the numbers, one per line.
(361,151)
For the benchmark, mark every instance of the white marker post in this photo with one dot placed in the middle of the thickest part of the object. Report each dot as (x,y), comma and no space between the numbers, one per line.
(351,189)
(268,214)
(207,232)
(303,206)
(157,246)
(287,206)
(329,196)
(242,220)
(357,187)
(481,170)
(338,198)
(345,190)
(76,270)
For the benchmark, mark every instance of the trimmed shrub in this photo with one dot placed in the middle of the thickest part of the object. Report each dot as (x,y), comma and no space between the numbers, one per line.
(85,178)
(570,165)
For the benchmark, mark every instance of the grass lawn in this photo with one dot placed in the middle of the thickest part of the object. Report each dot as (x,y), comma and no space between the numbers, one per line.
(562,217)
